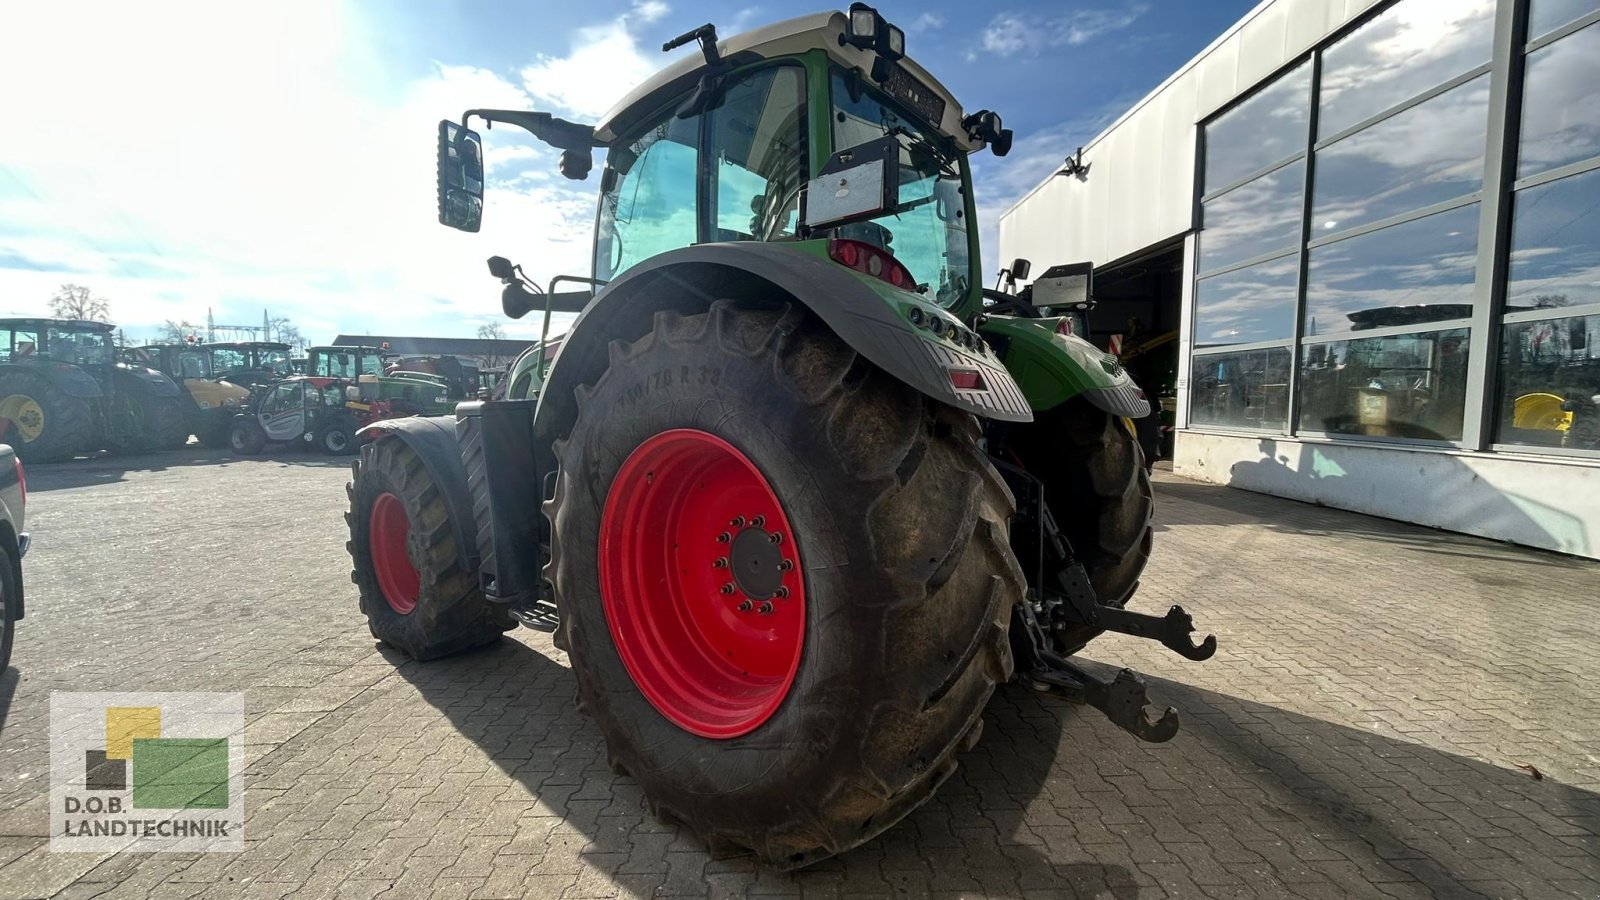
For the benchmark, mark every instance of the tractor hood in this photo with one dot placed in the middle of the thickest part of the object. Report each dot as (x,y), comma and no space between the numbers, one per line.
(818,31)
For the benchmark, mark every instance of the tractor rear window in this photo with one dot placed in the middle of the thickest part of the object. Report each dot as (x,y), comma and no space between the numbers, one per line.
(81,348)
(928,233)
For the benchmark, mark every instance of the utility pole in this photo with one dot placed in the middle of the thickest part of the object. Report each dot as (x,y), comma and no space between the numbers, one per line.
(211,327)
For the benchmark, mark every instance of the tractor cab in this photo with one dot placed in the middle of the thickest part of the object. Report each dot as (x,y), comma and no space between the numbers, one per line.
(246,363)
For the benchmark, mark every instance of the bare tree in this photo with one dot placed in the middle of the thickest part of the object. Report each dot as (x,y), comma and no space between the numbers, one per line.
(177,332)
(74,301)
(492,331)
(282,329)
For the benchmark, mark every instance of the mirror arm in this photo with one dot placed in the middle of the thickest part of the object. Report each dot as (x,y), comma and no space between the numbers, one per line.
(558,133)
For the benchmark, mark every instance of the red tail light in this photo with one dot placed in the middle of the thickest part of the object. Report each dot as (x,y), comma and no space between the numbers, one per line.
(966,380)
(863,257)
(22,482)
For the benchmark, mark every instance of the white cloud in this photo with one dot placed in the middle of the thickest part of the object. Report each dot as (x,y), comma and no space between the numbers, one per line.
(603,63)
(175,172)
(1013,33)
(928,21)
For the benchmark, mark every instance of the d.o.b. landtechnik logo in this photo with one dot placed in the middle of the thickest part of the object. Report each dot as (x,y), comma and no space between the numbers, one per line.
(146,772)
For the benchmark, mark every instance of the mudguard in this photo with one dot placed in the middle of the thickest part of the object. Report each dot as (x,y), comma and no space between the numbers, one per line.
(875,319)
(433,439)
(65,377)
(150,381)
(1052,368)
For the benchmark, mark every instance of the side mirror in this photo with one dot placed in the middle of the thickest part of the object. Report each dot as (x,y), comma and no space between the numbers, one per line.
(501,268)
(1020,268)
(460,177)
(516,301)
(1064,286)
(855,184)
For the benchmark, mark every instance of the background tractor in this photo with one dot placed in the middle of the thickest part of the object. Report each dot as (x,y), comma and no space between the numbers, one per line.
(248,363)
(63,392)
(213,401)
(407,392)
(805,503)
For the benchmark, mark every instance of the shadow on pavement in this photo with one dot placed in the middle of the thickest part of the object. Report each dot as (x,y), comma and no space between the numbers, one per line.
(9,677)
(107,468)
(1054,797)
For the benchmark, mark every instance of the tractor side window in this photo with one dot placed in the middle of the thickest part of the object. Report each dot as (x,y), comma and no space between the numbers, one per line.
(24,344)
(755,137)
(651,207)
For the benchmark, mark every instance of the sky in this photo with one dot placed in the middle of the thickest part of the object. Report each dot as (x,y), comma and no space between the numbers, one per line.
(182,158)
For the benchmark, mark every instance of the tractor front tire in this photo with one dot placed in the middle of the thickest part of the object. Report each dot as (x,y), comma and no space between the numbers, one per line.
(245,437)
(337,436)
(169,421)
(839,542)
(417,596)
(1098,488)
(43,424)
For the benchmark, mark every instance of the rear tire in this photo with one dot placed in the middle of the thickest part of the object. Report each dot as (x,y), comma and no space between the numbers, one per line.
(62,426)
(8,604)
(899,531)
(1098,488)
(246,438)
(169,421)
(417,596)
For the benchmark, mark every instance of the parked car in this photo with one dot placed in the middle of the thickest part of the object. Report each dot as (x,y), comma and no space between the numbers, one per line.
(13,546)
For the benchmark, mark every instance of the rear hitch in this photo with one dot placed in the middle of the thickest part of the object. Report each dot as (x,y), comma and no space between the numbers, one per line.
(1173,630)
(1124,698)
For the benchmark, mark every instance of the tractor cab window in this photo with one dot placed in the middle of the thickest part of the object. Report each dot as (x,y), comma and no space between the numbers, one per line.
(81,348)
(928,232)
(194,364)
(22,345)
(284,397)
(651,206)
(275,361)
(757,146)
(226,360)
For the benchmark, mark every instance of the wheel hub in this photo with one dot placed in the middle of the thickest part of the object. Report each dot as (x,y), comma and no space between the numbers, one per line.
(701,582)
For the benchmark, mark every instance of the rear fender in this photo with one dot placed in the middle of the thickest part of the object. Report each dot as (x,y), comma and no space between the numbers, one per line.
(65,377)
(149,382)
(869,315)
(433,439)
(1053,368)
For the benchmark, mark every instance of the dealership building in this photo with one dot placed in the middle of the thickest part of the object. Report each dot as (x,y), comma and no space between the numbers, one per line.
(1358,247)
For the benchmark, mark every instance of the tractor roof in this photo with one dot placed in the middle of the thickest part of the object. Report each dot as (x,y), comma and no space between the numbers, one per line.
(253,345)
(818,31)
(63,324)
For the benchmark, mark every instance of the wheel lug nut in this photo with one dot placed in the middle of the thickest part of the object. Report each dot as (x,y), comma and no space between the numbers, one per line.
(738,522)
(766,608)
(745,606)
(727,588)
(785,565)
(775,537)
(758,521)
(720,563)
(724,537)
(782,592)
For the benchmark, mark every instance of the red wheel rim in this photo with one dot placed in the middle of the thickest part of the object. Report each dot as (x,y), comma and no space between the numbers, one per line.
(388,532)
(700,576)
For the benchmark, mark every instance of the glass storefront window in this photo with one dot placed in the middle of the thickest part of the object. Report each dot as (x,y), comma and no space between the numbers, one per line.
(1248,305)
(1550,383)
(1257,217)
(1555,245)
(1269,126)
(1419,271)
(1404,385)
(1548,15)
(1560,119)
(1413,46)
(1244,389)
(1428,154)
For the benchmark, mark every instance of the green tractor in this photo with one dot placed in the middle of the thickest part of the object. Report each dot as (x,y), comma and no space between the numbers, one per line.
(791,498)
(212,400)
(63,392)
(409,393)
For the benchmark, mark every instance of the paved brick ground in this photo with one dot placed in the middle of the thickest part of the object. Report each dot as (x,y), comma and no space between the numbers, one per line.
(1361,733)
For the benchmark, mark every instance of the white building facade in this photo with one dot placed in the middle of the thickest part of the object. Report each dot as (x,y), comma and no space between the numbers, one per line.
(1373,232)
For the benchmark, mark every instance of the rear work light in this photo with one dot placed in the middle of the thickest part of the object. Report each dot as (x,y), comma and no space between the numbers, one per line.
(865,258)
